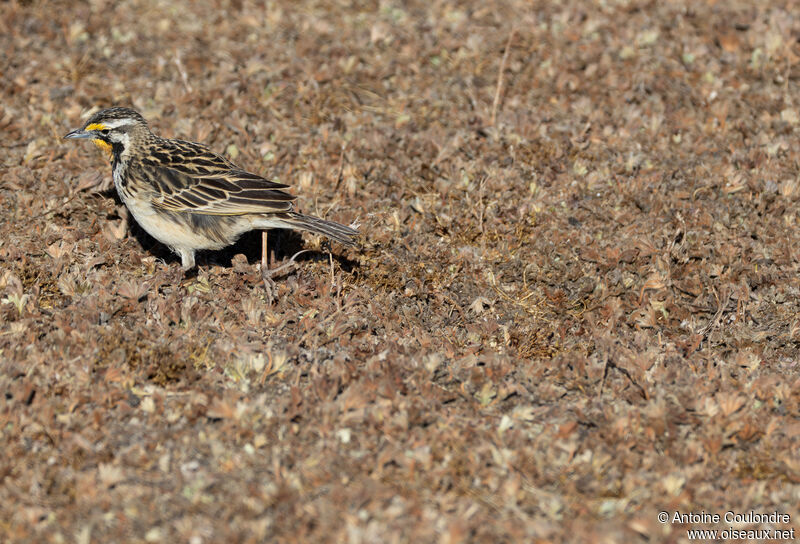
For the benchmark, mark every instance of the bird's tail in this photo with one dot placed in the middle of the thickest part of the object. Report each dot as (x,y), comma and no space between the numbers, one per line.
(331,229)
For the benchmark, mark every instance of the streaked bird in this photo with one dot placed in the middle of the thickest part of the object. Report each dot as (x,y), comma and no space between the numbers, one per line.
(188,197)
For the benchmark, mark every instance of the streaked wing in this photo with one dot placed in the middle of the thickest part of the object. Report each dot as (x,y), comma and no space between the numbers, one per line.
(191,178)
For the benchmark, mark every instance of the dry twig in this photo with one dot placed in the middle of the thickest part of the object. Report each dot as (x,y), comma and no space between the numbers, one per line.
(269,275)
(499,87)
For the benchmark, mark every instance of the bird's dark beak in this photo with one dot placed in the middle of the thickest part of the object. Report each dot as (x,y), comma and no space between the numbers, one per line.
(79,133)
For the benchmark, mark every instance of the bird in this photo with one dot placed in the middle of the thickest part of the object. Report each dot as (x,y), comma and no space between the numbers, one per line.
(188,197)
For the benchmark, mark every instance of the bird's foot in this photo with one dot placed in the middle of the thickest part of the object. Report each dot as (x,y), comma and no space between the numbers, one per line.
(269,286)
(269,275)
(185,277)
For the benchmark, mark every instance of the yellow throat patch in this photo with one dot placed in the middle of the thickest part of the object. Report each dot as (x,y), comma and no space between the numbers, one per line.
(105,146)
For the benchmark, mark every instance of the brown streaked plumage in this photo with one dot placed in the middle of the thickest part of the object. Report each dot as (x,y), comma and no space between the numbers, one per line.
(188,197)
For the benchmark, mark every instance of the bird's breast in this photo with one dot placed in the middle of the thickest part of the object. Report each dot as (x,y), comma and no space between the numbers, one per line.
(119,171)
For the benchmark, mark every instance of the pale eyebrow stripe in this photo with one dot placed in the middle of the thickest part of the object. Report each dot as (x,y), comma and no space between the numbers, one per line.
(116,123)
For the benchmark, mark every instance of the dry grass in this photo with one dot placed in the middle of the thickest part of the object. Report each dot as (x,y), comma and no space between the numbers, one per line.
(576,304)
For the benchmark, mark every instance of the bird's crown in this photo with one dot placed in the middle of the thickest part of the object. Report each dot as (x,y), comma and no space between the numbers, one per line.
(111,118)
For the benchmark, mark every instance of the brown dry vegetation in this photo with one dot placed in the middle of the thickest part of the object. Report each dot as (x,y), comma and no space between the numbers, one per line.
(577,302)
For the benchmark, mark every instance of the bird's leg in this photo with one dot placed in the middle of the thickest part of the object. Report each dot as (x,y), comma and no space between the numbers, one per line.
(264,252)
(276,241)
(188,270)
(187,259)
(269,283)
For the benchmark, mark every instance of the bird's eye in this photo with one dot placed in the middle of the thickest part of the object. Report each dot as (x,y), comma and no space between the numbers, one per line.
(105,131)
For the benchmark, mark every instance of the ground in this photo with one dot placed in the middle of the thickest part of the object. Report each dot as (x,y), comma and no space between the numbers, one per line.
(575,304)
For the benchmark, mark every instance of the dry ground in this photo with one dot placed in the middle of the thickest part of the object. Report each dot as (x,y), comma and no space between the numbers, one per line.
(577,302)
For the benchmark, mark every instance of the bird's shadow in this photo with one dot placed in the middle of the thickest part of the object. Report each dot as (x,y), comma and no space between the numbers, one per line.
(283,244)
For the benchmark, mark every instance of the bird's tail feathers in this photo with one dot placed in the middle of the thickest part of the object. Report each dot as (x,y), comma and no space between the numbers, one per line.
(331,229)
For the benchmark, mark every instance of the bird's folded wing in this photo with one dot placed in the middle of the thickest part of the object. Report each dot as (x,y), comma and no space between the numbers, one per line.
(194,179)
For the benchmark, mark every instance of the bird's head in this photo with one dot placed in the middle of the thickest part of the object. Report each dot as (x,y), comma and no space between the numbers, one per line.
(112,129)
